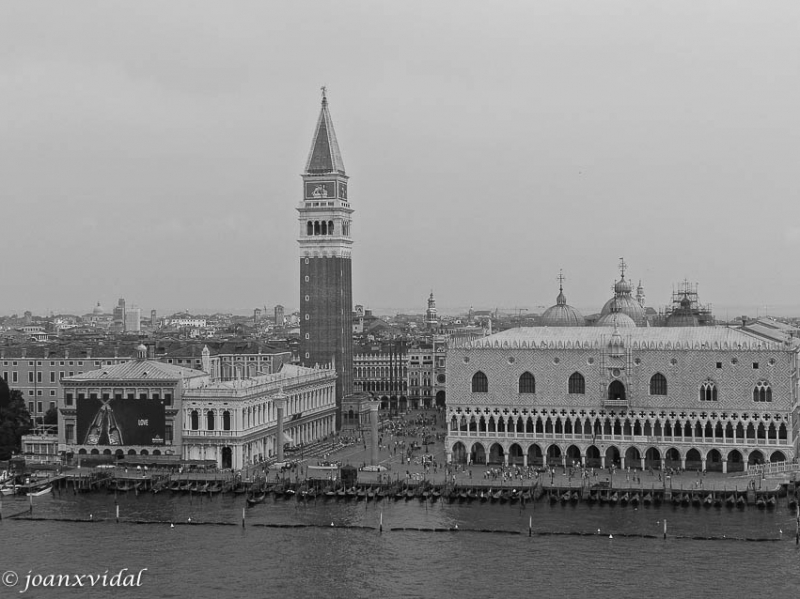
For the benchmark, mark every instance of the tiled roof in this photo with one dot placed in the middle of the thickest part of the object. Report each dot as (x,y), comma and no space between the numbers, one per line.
(589,335)
(325,156)
(139,370)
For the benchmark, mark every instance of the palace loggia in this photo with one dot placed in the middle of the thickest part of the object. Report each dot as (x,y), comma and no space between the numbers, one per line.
(711,398)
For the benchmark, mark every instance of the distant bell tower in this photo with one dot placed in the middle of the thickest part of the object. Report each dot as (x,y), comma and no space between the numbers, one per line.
(431,317)
(326,296)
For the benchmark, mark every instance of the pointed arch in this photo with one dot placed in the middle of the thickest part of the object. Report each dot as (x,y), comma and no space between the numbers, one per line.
(480,383)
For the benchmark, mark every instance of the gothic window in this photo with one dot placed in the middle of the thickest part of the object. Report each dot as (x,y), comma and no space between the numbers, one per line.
(658,384)
(616,391)
(762,391)
(480,384)
(330,227)
(708,391)
(527,384)
(577,384)
(316,227)
(309,228)
(324,229)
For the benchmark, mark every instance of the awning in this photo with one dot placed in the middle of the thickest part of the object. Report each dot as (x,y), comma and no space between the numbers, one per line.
(288,439)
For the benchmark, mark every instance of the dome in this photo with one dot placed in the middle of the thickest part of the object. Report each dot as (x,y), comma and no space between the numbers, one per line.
(98,310)
(562,315)
(622,286)
(616,319)
(683,316)
(627,305)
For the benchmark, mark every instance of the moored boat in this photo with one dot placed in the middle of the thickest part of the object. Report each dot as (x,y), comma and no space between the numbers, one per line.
(256,498)
(37,492)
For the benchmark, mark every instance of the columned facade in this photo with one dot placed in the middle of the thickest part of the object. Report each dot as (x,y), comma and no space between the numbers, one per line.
(235,422)
(697,398)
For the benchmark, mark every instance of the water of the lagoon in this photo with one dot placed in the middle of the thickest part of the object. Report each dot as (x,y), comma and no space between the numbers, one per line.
(211,561)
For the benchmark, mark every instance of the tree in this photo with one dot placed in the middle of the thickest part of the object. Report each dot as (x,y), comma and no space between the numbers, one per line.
(51,417)
(5,393)
(15,421)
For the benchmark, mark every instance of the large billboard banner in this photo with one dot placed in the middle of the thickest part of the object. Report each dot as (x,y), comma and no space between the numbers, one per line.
(120,421)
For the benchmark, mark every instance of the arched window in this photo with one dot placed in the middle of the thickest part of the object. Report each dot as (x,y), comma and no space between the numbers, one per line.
(527,384)
(330,227)
(577,384)
(324,227)
(708,391)
(762,391)
(316,227)
(616,391)
(480,384)
(658,384)
(226,420)
(309,228)
(210,420)
(195,420)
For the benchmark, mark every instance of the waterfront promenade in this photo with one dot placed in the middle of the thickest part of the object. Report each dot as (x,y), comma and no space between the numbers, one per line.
(399,468)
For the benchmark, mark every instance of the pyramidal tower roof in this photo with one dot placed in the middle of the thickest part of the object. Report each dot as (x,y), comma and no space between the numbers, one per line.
(324,157)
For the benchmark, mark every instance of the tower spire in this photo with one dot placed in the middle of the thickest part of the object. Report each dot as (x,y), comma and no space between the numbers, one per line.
(324,157)
(561,300)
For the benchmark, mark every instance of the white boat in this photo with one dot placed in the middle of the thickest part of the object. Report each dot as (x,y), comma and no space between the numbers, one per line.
(8,490)
(43,491)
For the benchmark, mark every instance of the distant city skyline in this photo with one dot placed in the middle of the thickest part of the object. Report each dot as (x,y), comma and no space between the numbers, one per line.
(153,151)
(722,312)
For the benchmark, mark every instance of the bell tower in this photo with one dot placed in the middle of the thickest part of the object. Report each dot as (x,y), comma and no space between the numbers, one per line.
(326,296)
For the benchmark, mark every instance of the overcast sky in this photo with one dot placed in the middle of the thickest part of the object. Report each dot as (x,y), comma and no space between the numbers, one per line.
(152,150)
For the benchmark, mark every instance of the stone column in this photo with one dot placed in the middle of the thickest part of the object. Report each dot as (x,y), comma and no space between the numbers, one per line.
(725,466)
(280,405)
(525,459)
(683,462)
(373,425)
(703,464)
(642,464)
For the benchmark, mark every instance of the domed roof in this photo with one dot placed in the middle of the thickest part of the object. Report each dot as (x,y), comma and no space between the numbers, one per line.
(562,315)
(616,319)
(627,305)
(683,316)
(622,286)
(98,310)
